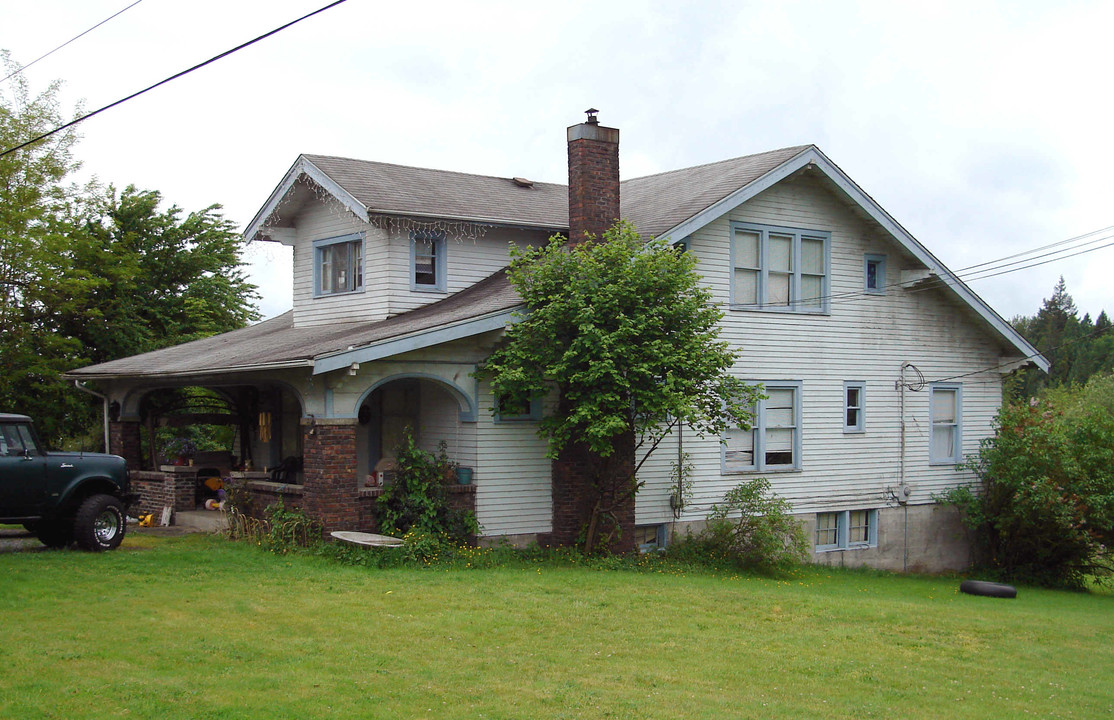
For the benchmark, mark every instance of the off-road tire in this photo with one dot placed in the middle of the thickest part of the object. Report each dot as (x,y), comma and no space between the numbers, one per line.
(100,523)
(988,589)
(56,534)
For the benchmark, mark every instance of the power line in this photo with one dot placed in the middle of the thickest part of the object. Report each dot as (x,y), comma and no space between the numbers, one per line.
(75,37)
(211,60)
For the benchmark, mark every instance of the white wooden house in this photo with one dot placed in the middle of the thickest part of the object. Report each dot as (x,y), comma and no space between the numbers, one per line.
(883,369)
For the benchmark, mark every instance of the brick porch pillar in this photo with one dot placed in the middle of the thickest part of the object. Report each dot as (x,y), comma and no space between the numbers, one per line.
(123,440)
(331,484)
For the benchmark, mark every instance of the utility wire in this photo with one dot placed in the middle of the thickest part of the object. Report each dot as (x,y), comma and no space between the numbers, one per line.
(211,60)
(102,22)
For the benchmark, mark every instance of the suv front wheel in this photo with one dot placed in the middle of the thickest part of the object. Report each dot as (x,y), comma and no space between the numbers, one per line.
(100,523)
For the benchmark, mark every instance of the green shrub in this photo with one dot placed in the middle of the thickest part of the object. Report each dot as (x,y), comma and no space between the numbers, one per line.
(751,528)
(416,502)
(1043,509)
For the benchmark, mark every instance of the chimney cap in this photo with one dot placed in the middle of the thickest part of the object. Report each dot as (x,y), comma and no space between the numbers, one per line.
(592,119)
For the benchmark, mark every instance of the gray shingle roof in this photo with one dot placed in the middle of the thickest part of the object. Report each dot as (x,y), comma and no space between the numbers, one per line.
(277,343)
(654,204)
(386,188)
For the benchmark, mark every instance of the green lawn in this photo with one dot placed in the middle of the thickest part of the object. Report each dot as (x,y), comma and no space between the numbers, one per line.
(197,627)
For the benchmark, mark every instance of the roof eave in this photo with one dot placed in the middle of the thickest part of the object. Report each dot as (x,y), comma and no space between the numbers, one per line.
(415,341)
(176,375)
(812,155)
(256,229)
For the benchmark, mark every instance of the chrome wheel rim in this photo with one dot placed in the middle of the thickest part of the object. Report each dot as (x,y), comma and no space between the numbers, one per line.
(106,526)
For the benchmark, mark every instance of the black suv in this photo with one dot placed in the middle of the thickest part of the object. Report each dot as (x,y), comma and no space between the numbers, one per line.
(61,497)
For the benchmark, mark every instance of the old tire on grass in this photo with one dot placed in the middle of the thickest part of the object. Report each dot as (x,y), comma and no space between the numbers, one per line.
(55,534)
(100,523)
(988,589)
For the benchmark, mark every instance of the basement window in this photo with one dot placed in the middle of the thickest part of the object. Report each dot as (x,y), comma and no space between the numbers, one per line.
(846,530)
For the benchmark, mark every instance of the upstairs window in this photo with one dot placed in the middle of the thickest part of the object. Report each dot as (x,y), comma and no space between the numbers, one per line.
(781,269)
(946,410)
(774,443)
(854,392)
(874,271)
(338,265)
(427,260)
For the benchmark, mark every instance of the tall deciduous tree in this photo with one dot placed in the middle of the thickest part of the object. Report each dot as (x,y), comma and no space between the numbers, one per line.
(627,337)
(89,274)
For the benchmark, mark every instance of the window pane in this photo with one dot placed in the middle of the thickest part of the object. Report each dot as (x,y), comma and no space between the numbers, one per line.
(852,417)
(812,256)
(746,287)
(812,291)
(779,398)
(858,529)
(943,442)
(425,262)
(739,450)
(778,292)
(780,253)
(853,397)
(872,275)
(943,406)
(746,249)
(827,528)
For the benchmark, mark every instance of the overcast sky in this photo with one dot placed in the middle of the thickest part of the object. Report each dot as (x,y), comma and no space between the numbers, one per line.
(981,127)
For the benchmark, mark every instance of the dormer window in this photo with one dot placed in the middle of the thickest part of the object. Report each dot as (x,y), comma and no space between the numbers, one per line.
(338,265)
(427,260)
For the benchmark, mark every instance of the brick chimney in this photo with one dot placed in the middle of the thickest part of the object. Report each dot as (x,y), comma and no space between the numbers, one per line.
(593,178)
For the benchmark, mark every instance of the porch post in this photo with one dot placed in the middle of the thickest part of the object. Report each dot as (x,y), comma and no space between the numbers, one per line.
(123,440)
(329,466)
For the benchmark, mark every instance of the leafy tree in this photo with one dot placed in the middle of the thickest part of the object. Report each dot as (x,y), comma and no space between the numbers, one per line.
(89,275)
(1043,510)
(625,334)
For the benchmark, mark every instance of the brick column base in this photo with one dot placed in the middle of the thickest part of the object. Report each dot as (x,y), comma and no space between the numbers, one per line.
(575,496)
(123,440)
(331,485)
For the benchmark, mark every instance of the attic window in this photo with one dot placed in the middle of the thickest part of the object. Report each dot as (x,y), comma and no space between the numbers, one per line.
(338,265)
(427,260)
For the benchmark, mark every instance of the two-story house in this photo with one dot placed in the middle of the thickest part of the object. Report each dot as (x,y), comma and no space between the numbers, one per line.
(882,369)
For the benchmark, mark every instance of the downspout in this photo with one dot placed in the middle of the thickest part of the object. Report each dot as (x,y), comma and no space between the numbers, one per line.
(104,398)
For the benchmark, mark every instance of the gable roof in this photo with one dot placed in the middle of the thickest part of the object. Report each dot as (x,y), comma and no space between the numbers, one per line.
(672,205)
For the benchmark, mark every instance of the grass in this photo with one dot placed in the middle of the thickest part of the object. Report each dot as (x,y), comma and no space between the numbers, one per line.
(196,627)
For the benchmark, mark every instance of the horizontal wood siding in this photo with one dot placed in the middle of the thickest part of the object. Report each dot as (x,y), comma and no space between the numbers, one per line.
(865,337)
(468,261)
(513,493)
(328,219)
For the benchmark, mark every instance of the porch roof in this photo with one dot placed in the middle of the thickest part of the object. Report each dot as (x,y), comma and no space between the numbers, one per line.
(277,344)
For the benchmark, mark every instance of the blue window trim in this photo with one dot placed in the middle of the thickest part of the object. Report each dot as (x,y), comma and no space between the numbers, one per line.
(325,242)
(879,276)
(437,237)
(795,281)
(860,426)
(534,414)
(843,531)
(759,434)
(956,455)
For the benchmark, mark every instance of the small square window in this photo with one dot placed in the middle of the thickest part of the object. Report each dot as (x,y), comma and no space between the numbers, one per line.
(875,274)
(509,411)
(827,529)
